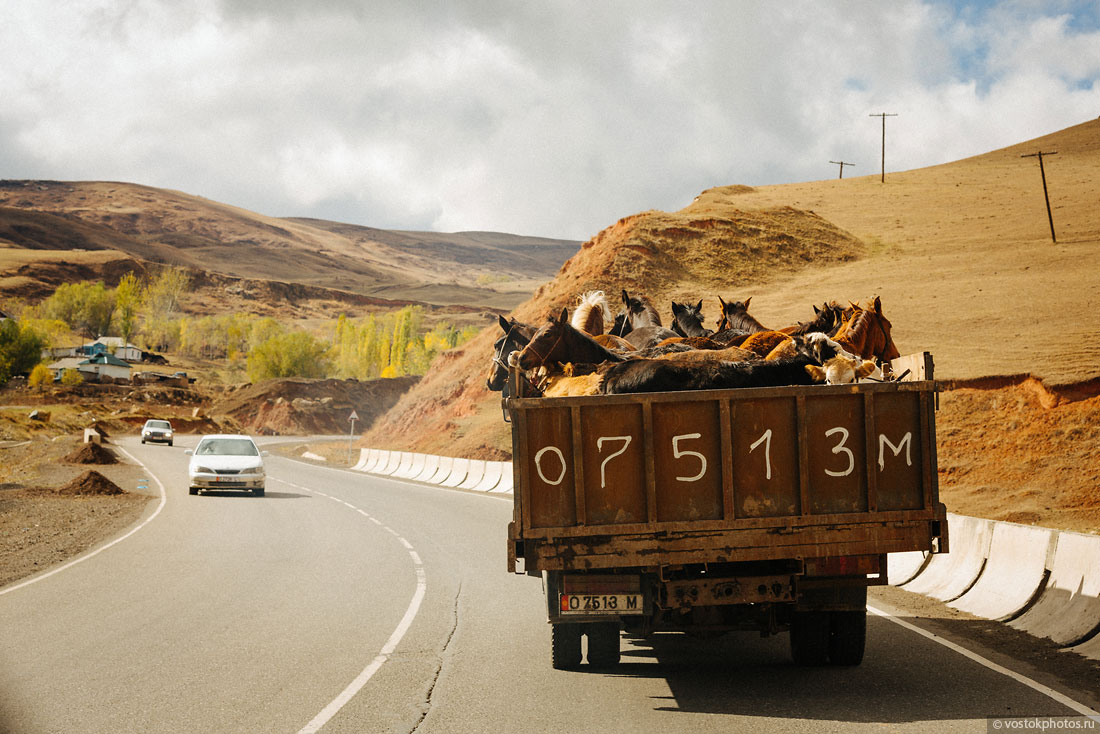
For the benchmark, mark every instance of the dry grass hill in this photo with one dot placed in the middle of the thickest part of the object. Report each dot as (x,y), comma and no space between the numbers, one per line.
(146,224)
(961,255)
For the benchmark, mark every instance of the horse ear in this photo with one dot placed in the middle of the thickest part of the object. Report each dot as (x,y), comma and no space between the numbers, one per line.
(817,311)
(699,307)
(747,302)
(877,304)
(626,297)
(504,323)
(721,304)
(564,317)
(677,308)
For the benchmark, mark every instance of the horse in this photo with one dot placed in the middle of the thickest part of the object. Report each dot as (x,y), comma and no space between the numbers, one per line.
(557,341)
(516,336)
(867,333)
(687,320)
(660,375)
(763,342)
(735,315)
(826,320)
(636,313)
(591,313)
(643,337)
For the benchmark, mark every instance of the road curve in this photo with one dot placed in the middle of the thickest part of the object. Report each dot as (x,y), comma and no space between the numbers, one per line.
(342,602)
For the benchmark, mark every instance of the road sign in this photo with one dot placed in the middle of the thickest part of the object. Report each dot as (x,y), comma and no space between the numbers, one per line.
(354,416)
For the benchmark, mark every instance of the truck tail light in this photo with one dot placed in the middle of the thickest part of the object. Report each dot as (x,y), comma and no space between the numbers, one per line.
(843,566)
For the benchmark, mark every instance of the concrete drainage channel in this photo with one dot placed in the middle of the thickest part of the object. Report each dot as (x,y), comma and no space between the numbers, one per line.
(1042,581)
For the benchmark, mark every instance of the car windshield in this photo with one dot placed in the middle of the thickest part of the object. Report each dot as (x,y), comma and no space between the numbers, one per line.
(227,447)
(158,424)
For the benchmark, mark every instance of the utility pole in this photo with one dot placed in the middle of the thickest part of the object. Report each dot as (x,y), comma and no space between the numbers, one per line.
(1046,196)
(883,115)
(842,164)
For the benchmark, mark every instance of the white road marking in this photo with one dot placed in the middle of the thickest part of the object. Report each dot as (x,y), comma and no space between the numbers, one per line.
(395,637)
(97,551)
(1035,685)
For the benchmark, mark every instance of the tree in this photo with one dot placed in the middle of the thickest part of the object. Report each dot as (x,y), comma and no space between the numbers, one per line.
(40,375)
(86,307)
(20,348)
(160,305)
(127,304)
(294,354)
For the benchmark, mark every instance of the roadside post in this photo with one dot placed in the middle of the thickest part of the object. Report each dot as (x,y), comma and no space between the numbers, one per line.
(351,433)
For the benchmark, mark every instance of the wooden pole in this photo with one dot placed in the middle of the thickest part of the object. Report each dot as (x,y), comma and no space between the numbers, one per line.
(883,115)
(1046,196)
(842,164)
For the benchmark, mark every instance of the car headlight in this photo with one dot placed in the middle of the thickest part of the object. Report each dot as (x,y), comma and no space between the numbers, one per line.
(253,470)
(202,470)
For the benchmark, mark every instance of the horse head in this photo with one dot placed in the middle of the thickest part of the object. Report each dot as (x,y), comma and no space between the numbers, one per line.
(640,312)
(735,315)
(687,320)
(516,336)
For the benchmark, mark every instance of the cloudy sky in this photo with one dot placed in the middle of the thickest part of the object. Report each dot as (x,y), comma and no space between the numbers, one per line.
(544,118)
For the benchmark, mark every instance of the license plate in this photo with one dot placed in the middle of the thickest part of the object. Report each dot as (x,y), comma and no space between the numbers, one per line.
(600,603)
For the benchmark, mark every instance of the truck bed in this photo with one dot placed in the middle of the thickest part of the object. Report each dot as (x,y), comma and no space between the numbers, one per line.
(718,476)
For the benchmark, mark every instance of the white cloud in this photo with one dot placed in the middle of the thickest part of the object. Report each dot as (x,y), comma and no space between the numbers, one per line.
(537,118)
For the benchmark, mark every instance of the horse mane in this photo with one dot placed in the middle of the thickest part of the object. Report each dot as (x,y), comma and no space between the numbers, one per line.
(591,313)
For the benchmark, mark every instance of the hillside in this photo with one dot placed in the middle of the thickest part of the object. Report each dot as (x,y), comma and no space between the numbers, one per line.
(160,226)
(960,254)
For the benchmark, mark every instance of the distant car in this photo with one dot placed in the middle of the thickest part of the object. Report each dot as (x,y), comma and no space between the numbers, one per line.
(158,431)
(226,461)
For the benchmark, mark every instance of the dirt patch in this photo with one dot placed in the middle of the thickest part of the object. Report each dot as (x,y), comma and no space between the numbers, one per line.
(90,483)
(92,453)
(40,525)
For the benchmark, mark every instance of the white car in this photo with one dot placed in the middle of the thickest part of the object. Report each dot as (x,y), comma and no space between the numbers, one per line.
(159,431)
(226,461)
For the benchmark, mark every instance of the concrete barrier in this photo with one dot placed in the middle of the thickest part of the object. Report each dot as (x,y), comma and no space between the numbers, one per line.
(1089,648)
(415,467)
(1017,570)
(490,478)
(950,575)
(904,567)
(473,474)
(404,469)
(431,465)
(363,454)
(457,476)
(446,463)
(1068,612)
(91,435)
(506,480)
(392,462)
(377,457)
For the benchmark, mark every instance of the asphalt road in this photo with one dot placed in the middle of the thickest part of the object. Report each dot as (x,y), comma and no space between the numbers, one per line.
(342,602)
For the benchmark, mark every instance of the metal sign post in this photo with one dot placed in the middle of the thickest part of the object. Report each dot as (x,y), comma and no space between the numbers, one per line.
(351,433)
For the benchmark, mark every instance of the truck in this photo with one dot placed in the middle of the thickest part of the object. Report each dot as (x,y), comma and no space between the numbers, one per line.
(709,511)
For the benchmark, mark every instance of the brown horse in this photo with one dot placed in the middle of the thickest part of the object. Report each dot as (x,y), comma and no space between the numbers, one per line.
(735,315)
(591,313)
(867,333)
(557,342)
(763,342)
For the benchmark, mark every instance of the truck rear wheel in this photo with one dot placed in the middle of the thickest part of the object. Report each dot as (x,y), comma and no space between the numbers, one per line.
(810,638)
(565,645)
(603,644)
(847,637)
